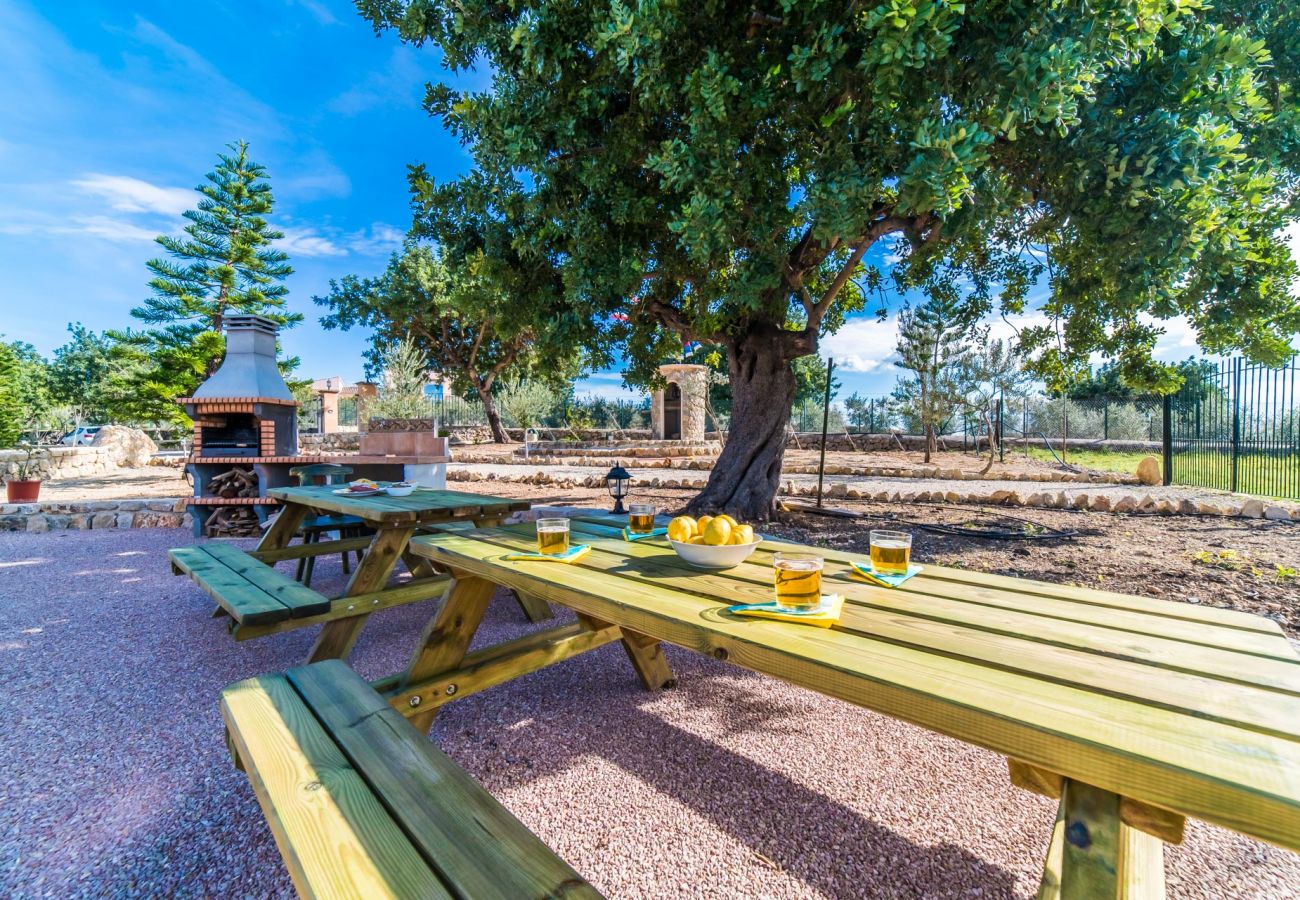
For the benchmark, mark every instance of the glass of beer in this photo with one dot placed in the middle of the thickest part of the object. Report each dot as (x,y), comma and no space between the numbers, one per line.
(798,581)
(891,552)
(552,536)
(641,519)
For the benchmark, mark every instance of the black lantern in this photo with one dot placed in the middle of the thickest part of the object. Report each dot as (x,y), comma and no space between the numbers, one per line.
(616,481)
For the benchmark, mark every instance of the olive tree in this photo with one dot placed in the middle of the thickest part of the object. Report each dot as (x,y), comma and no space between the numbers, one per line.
(731,173)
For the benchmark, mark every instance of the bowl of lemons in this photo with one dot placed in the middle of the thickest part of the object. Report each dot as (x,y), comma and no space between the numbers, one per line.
(712,542)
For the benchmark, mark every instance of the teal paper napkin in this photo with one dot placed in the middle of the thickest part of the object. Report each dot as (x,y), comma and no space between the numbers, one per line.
(865,570)
(657,532)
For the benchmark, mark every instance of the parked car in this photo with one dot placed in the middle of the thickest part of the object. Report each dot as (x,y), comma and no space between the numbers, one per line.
(81,436)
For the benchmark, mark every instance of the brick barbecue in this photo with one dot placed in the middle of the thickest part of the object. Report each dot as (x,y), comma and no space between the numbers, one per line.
(246,437)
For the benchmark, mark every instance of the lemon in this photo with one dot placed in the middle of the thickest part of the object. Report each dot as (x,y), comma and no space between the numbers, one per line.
(718,532)
(681,529)
(742,534)
(698,539)
(702,524)
(729,520)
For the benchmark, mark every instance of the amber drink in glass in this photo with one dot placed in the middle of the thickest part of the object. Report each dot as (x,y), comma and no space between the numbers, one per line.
(798,581)
(552,536)
(891,552)
(641,519)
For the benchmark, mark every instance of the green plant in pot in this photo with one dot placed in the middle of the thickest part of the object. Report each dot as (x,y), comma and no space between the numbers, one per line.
(24,486)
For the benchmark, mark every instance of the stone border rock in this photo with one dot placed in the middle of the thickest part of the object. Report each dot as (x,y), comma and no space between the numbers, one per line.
(92,514)
(1136,502)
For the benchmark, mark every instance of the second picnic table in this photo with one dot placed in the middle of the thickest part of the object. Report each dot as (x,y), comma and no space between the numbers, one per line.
(1135,712)
(395,520)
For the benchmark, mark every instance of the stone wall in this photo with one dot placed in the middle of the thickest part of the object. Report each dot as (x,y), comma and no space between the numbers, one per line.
(334,442)
(92,514)
(53,463)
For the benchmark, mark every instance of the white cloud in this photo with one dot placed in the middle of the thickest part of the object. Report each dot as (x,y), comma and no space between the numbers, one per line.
(319,11)
(133,195)
(111,229)
(863,345)
(305,242)
(379,239)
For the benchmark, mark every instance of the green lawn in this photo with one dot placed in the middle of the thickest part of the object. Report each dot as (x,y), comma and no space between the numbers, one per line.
(1100,460)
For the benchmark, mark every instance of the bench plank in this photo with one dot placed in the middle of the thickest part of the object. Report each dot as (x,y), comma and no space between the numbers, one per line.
(337,839)
(300,599)
(480,849)
(245,602)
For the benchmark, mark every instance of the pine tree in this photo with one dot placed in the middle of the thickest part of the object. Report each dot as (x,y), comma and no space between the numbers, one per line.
(932,345)
(11,408)
(225,264)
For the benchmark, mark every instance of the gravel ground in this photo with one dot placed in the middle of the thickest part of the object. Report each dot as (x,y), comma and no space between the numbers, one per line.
(114,780)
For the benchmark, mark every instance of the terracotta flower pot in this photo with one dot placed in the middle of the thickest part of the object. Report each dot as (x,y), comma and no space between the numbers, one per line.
(23,491)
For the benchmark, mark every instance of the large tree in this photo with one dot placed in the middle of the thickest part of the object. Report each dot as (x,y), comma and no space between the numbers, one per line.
(724,172)
(477,323)
(225,264)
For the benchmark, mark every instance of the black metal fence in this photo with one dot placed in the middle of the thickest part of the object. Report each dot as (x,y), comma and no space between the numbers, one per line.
(1237,428)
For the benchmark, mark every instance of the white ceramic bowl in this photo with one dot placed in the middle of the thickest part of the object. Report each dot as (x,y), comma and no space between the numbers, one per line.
(706,556)
(400,491)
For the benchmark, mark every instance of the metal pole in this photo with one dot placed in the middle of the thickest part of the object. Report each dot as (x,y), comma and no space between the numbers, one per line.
(1236,418)
(826,416)
(1167,439)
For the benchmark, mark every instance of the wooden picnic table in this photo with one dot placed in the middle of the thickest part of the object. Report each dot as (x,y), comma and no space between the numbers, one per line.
(1135,712)
(395,520)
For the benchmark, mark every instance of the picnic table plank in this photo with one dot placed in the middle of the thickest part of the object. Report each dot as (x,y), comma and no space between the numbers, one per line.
(416,508)
(752,583)
(1100,668)
(1231,618)
(1234,776)
(315,792)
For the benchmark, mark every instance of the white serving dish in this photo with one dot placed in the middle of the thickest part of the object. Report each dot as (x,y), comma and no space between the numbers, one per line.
(706,556)
(397,490)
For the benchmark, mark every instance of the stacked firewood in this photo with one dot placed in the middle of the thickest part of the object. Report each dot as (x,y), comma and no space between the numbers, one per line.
(232,521)
(234,483)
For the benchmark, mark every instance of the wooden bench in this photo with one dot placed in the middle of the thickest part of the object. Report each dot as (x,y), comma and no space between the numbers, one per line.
(362,805)
(262,601)
(252,592)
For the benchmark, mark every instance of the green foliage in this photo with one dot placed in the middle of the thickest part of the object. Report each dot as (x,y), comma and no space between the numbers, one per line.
(224,265)
(477,319)
(713,172)
(933,348)
(527,403)
(405,376)
(1108,381)
(12,412)
(80,374)
(30,385)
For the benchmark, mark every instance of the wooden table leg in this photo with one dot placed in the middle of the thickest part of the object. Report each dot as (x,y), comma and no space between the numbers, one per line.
(1095,855)
(337,637)
(447,636)
(284,527)
(534,608)
(645,652)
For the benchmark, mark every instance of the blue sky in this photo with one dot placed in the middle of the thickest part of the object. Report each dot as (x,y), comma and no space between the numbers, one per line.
(111,112)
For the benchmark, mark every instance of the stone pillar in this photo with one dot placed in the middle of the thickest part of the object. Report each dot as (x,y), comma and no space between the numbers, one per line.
(657,416)
(693,381)
(329,411)
(367,392)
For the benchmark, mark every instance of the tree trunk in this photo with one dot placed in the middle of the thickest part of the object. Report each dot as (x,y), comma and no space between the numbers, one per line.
(988,423)
(747,475)
(499,434)
(931,442)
